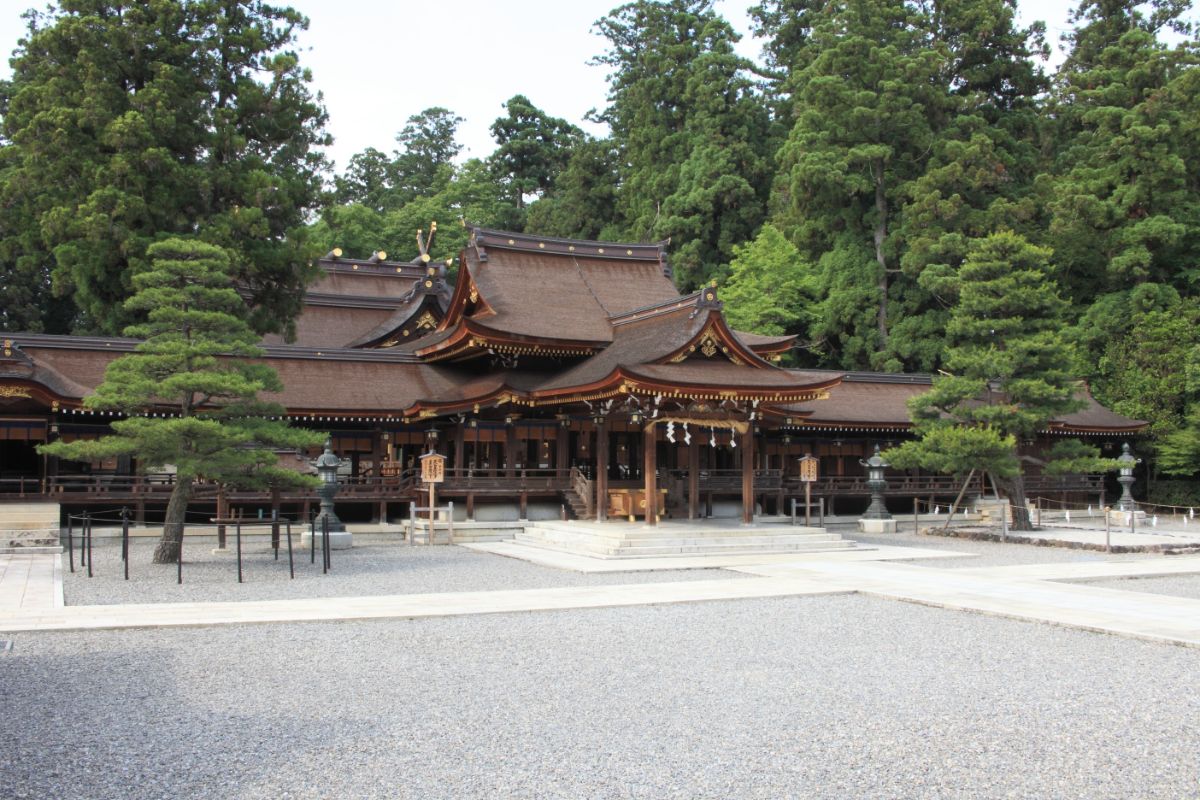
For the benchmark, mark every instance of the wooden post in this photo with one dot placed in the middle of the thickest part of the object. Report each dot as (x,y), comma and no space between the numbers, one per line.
(432,506)
(510,451)
(471,506)
(459,437)
(693,479)
(649,470)
(562,452)
(602,471)
(524,505)
(748,475)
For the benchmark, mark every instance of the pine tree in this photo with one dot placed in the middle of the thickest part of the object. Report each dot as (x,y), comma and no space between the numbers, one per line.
(1009,369)
(192,367)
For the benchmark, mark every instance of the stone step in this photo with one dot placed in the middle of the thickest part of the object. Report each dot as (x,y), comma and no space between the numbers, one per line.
(650,552)
(690,535)
(670,541)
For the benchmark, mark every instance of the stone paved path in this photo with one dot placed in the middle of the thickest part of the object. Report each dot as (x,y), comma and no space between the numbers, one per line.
(31,596)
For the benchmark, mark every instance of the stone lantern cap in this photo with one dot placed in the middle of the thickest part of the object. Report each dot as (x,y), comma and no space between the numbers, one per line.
(876,461)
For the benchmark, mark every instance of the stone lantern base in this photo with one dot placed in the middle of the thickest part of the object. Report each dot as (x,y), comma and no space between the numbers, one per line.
(866,525)
(338,540)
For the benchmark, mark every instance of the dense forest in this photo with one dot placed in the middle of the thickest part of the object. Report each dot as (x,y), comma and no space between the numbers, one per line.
(835,188)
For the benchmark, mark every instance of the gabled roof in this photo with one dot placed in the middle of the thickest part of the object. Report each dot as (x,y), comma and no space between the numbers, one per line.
(559,289)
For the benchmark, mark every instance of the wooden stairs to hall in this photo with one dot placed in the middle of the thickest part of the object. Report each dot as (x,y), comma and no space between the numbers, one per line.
(29,528)
(577,505)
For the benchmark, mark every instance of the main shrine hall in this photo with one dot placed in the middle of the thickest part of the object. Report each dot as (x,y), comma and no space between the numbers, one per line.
(558,377)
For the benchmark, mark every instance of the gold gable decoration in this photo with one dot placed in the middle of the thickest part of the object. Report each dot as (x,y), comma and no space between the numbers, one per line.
(426,321)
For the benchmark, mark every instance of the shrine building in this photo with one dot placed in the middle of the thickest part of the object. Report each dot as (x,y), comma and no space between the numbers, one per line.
(558,377)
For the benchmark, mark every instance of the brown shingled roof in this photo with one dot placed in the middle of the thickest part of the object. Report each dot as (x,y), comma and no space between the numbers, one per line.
(562,295)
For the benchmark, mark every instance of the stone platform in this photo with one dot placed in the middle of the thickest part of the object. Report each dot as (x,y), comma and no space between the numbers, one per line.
(678,537)
(29,527)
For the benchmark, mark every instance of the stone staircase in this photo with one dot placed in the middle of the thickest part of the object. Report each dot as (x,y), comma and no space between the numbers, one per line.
(624,540)
(29,527)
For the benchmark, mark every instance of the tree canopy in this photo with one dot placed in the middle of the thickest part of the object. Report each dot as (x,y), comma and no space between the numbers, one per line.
(188,394)
(128,123)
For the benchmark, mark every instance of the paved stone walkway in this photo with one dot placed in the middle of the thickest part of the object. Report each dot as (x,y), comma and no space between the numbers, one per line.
(30,582)
(1027,592)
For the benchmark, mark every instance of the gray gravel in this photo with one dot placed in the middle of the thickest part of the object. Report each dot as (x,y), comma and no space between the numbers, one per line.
(817,697)
(1174,585)
(371,569)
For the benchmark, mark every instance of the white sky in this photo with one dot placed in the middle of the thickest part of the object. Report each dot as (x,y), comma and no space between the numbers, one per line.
(378,62)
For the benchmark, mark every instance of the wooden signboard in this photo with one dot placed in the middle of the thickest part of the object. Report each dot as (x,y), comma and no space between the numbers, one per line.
(391,469)
(808,469)
(808,476)
(433,468)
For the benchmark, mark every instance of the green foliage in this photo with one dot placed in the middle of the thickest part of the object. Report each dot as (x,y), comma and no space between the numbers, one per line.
(1179,450)
(914,131)
(1123,200)
(582,204)
(1175,493)
(126,123)
(771,288)
(193,367)
(533,148)
(1009,368)
(692,133)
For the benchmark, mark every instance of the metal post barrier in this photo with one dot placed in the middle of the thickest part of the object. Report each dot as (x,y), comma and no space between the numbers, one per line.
(275,531)
(1039,512)
(1107,532)
(412,523)
(125,540)
(793,511)
(238,534)
(87,522)
(916,516)
(821,510)
(450,522)
(324,545)
(1004,524)
(1132,520)
(71,541)
(312,539)
(179,574)
(291,562)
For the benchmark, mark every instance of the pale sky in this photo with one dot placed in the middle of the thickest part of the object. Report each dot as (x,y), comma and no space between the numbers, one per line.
(378,62)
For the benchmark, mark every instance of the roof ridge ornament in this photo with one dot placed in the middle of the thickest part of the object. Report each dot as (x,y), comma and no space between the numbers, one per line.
(708,297)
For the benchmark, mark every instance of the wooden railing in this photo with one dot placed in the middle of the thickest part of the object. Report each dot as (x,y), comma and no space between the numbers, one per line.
(585,489)
(496,482)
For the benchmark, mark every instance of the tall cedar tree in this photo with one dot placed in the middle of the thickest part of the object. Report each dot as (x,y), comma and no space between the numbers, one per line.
(532,148)
(191,369)
(128,122)
(913,133)
(691,132)
(1009,370)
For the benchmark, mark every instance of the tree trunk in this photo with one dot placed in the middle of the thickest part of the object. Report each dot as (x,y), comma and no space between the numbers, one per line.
(167,551)
(881,221)
(1015,489)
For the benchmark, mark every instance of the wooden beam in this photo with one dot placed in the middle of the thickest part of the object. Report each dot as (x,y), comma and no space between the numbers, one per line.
(561,454)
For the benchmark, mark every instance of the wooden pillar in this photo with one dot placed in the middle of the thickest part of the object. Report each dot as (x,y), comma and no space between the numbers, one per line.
(562,452)
(649,468)
(748,475)
(471,506)
(524,514)
(460,436)
(601,452)
(510,451)
(693,479)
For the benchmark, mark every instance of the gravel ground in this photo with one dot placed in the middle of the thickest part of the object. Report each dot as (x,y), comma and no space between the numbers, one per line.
(371,569)
(987,554)
(818,697)
(1174,585)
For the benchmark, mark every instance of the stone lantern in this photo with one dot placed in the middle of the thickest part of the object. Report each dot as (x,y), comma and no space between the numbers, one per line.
(327,465)
(1128,461)
(876,518)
